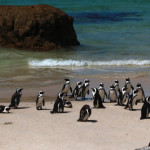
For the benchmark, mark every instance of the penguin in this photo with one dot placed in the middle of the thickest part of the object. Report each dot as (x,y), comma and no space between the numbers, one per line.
(85,113)
(66,87)
(4,109)
(118,91)
(40,100)
(85,88)
(97,99)
(140,94)
(116,85)
(132,100)
(77,91)
(67,103)
(58,105)
(145,110)
(128,86)
(15,100)
(102,92)
(112,96)
(124,97)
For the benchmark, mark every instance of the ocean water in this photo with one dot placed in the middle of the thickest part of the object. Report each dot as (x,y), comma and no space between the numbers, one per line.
(114,38)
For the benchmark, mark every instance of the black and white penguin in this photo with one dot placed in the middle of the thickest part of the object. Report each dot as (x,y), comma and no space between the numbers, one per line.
(118,91)
(67,103)
(112,96)
(15,100)
(124,96)
(145,110)
(77,92)
(128,86)
(58,105)
(102,92)
(40,100)
(66,87)
(97,99)
(140,94)
(85,113)
(132,100)
(4,109)
(85,88)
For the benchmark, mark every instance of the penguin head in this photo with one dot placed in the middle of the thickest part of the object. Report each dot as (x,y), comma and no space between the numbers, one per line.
(79,83)
(86,81)
(124,89)
(112,86)
(60,95)
(19,90)
(101,84)
(6,109)
(135,91)
(67,80)
(41,92)
(138,85)
(93,89)
(116,81)
(128,79)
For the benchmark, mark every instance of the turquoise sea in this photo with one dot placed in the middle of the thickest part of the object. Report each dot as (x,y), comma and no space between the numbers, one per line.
(114,37)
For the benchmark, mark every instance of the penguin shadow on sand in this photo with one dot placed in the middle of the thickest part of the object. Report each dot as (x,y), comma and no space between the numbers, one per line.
(22,108)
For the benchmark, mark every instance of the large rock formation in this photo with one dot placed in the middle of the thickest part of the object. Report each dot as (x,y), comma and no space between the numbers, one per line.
(39,27)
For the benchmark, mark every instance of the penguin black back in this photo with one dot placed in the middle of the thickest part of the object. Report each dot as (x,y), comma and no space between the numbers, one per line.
(15,100)
(85,113)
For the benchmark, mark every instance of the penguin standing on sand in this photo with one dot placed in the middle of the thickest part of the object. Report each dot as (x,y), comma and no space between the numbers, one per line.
(140,94)
(102,92)
(124,96)
(128,86)
(85,113)
(133,99)
(112,96)
(97,99)
(40,100)
(77,91)
(15,100)
(118,91)
(66,87)
(85,88)
(4,109)
(145,110)
(58,105)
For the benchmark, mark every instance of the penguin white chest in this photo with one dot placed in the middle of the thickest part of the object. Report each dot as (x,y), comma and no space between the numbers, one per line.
(102,93)
(66,89)
(113,95)
(40,101)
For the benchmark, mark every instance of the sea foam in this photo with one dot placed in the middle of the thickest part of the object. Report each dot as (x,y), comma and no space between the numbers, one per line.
(86,63)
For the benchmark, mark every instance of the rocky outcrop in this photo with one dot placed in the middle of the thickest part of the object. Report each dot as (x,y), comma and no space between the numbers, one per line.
(39,27)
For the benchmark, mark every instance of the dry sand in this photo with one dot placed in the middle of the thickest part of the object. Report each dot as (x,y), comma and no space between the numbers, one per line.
(113,128)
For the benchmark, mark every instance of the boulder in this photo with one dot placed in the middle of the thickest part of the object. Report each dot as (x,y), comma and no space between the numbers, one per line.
(39,27)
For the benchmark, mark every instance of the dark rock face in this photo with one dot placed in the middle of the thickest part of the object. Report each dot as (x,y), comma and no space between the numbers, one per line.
(39,27)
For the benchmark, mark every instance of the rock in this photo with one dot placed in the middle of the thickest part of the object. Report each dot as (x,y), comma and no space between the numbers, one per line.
(39,27)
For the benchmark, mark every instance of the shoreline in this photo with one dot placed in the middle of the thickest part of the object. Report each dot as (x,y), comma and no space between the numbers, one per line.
(51,91)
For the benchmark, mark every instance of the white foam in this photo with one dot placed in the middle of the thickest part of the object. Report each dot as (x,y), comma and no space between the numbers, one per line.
(88,63)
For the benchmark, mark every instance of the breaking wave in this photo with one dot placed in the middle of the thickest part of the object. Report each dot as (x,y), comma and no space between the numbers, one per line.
(86,63)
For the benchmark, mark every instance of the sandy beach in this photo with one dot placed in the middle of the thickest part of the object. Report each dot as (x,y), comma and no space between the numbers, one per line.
(111,128)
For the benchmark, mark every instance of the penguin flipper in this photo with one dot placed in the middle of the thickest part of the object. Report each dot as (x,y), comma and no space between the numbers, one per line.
(63,87)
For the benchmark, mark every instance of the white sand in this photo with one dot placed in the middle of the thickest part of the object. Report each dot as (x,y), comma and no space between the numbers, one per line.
(113,128)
